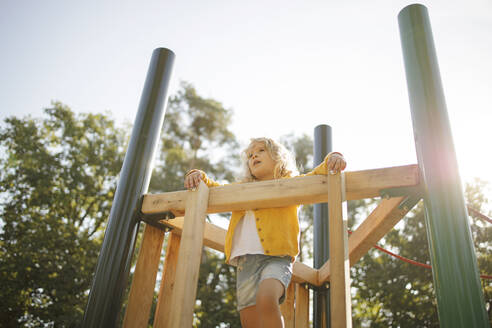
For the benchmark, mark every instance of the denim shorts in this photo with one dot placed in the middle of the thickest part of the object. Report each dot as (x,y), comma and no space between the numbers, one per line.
(253,269)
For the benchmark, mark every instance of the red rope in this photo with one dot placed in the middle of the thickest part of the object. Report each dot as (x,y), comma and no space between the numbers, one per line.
(427,266)
(478,214)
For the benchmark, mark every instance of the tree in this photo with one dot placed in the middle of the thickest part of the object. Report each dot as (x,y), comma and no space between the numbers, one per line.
(196,134)
(302,148)
(57,180)
(217,303)
(482,235)
(392,293)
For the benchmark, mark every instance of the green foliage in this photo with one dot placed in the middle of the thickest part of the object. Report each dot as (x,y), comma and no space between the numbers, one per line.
(302,148)
(195,135)
(392,293)
(482,236)
(216,300)
(57,179)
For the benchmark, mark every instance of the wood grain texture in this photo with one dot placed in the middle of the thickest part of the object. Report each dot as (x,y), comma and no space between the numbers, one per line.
(381,220)
(287,307)
(302,307)
(164,306)
(340,299)
(189,257)
(286,192)
(143,284)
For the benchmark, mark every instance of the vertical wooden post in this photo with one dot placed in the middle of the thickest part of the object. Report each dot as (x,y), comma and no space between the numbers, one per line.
(164,306)
(189,257)
(302,307)
(340,301)
(287,307)
(142,289)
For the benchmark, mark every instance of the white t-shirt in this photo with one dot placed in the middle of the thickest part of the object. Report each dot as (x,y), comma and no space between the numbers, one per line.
(245,239)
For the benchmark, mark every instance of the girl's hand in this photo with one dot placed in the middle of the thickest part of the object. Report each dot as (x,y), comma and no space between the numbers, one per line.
(336,163)
(192,179)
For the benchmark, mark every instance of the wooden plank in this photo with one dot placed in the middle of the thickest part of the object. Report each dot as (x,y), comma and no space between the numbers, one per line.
(381,220)
(164,305)
(368,183)
(214,237)
(302,306)
(286,192)
(287,307)
(303,273)
(189,257)
(375,227)
(142,289)
(340,299)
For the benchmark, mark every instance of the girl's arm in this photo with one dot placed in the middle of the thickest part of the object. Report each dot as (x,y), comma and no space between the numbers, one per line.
(193,177)
(333,162)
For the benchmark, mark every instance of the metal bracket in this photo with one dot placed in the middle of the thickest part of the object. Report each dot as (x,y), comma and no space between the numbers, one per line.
(409,202)
(158,216)
(154,218)
(401,191)
(323,288)
(157,224)
(413,195)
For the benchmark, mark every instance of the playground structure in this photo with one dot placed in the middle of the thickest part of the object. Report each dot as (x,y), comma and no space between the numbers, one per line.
(188,234)
(435,179)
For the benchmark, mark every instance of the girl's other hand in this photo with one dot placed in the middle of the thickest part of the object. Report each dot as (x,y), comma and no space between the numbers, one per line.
(336,163)
(192,180)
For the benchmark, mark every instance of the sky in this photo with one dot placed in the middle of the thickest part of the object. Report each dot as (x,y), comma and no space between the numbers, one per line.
(281,66)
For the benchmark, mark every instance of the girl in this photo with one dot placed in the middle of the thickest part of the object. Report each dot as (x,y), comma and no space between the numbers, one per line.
(264,243)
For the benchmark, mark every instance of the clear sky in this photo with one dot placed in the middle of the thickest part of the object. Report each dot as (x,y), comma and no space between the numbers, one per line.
(282,66)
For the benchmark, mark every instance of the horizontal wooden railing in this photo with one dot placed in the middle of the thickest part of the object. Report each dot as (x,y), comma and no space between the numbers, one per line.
(286,192)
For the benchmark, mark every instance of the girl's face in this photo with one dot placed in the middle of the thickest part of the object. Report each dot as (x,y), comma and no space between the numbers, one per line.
(260,163)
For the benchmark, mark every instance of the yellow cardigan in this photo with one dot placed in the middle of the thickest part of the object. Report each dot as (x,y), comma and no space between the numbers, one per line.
(278,228)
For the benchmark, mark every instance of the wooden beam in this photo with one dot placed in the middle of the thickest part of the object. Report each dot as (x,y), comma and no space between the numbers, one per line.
(189,258)
(381,220)
(302,307)
(164,305)
(286,192)
(340,298)
(287,307)
(214,237)
(368,183)
(143,284)
(303,273)
(375,227)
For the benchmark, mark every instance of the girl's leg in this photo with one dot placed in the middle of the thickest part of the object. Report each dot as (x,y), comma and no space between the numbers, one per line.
(249,317)
(267,308)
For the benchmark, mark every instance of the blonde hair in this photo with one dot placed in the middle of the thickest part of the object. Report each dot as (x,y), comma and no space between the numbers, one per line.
(285,162)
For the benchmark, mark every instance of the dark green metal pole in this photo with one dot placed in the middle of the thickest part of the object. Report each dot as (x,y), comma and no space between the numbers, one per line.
(113,266)
(321,303)
(460,299)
